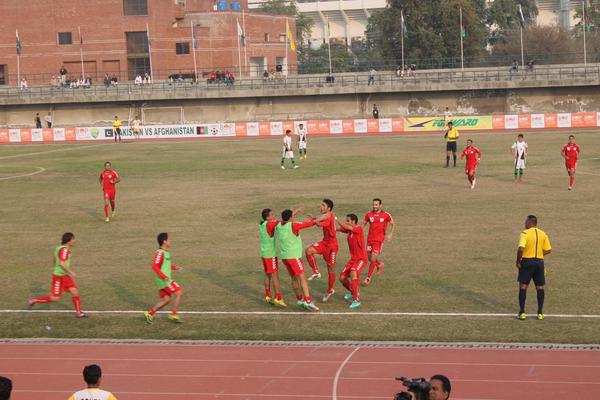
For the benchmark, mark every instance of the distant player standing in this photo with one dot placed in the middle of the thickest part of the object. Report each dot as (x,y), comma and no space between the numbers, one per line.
(350,275)
(167,287)
(268,254)
(473,156)
(302,140)
(117,128)
(62,276)
(288,152)
(108,179)
(378,221)
(570,152)
(136,127)
(327,247)
(447,116)
(519,152)
(290,252)
(451,137)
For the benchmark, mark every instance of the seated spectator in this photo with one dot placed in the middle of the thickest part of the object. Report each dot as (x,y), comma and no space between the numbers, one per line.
(213,77)
(146,78)
(23,84)
(399,73)
(92,375)
(53,81)
(107,80)
(88,81)
(5,388)
(266,75)
(138,80)
(114,80)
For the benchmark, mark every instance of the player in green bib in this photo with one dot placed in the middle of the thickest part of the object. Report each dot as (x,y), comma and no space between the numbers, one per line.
(167,287)
(290,252)
(268,254)
(61,276)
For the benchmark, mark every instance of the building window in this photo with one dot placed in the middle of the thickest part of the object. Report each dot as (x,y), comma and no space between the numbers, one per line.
(65,38)
(182,48)
(137,43)
(135,7)
(266,37)
(282,37)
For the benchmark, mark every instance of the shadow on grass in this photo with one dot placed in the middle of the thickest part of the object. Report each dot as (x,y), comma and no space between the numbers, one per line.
(472,297)
(229,284)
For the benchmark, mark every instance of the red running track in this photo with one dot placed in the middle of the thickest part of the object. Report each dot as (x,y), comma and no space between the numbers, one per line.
(178,372)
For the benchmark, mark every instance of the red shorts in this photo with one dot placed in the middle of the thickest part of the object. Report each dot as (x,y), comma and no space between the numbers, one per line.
(294,266)
(470,169)
(329,253)
(354,265)
(170,290)
(62,283)
(110,195)
(375,247)
(270,265)
(571,165)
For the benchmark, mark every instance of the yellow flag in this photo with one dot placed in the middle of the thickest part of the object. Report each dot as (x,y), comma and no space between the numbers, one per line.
(289,35)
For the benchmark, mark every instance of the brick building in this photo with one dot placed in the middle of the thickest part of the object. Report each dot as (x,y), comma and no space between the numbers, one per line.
(112,36)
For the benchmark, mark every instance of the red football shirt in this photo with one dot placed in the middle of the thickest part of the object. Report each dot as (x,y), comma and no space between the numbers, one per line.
(377,225)
(271,225)
(108,180)
(571,151)
(356,242)
(472,154)
(329,232)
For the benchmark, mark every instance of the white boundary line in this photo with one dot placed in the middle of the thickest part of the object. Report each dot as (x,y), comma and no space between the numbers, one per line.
(292,313)
(75,147)
(339,372)
(39,171)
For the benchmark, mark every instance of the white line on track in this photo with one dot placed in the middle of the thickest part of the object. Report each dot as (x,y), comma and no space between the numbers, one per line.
(346,314)
(39,170)
(339,372)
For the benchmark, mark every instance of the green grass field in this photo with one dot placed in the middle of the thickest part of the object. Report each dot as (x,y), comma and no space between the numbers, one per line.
(454,250)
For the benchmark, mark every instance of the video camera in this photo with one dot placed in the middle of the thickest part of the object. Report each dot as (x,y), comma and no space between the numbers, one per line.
(419,387)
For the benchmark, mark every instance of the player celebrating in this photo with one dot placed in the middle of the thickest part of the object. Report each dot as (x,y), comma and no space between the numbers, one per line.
(62,276)
(290,253)
(570,152)
(519,152)
(302,140)
(473,157)
(108,179)
(327,247)
(117,128)
(451,137)
(268,254)
(287,150)
(167,287)
(350,275)
(378,221)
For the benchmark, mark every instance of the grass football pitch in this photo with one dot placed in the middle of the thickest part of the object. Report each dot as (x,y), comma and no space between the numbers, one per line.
(453,252)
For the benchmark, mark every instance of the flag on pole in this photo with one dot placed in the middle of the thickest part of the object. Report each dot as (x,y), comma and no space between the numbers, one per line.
(521,17)
(80,37)
(148,37)
(194,40)
(289,35)
(241,34)
(19,47)
(404,30)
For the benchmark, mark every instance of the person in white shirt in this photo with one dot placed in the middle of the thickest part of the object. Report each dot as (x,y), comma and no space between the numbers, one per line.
(48,119)
(447,116)
(288,153)
(136,126)
(519,152)
(92,375)
(302,140)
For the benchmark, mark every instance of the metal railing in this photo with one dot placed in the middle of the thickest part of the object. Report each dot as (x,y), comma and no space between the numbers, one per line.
(380,80)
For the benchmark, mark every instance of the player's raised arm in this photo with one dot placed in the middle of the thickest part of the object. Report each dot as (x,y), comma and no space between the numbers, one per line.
(298,211)
(344,225)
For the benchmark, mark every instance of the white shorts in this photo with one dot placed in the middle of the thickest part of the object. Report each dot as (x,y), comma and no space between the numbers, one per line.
(288,154)
(302,145)
(520,164)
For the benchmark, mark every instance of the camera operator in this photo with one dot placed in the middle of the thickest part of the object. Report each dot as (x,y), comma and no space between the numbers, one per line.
(440,388)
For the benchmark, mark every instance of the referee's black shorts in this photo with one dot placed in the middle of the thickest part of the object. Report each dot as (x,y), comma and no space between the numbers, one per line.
(451,146)
(532,268)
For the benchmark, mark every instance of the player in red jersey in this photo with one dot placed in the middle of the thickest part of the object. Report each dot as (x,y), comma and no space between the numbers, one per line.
(350,275)
(473,157)
(327,247)
(570,152)
(108,179)
(378,221)
(62,276)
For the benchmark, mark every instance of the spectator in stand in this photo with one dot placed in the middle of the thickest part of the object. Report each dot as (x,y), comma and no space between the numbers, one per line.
(48,119)
(38,121)
(399,73)
(5,388)
(138,80)
(53,81)
(114,80)
(147,79)
(372,73)
(514,68)
(375,111)
(23,84)
(529,66)
(63,75)
(92,375)
(266,75)
(213,77)
(106,80)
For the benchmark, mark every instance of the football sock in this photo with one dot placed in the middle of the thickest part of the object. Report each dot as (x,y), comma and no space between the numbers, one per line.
(521,172)
(174,311)
(354,289)
(516,173)
(312,261)
(43,299)
(454,158)
(308,299)
(282,161)
(293,162)
(277,296)
(268,292)
(298,297)
(372,266)
(77,304)
(331,282)
(152,311)
(540,300)
(106,210)
(522,298)
(571,180)
(113,205)
(447,161)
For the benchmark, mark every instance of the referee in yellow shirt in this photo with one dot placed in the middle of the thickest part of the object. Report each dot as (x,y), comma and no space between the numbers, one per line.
(533,246)
(451,137)
(117,128)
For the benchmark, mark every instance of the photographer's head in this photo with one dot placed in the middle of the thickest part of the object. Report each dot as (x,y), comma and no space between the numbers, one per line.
(440,388)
